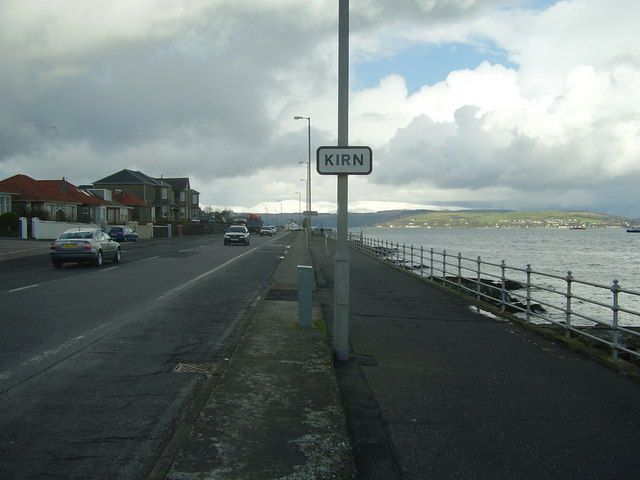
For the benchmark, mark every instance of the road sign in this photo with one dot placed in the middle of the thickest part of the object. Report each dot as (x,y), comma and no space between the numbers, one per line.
(340,160)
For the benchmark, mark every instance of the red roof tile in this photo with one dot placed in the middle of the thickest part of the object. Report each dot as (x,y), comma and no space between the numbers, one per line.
(48,191)
(128,199)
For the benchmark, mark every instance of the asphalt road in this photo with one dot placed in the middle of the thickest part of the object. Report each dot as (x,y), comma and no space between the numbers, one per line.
(87,355)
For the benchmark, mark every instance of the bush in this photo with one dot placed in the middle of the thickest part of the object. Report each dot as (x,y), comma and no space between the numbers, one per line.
(9,224)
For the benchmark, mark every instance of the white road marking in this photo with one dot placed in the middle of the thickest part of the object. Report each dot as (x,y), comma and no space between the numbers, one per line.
(23,250)
(24,288)
(107,269)
(187,284)
(54,351)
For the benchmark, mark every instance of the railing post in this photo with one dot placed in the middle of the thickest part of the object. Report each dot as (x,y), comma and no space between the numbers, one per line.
(404,255)
(397,253)
(412,256)
(459,269)
(431,264)
(567,311)
(615,290)
(421,261)
(503,290)
(528,290)
(478,278)
(444,267)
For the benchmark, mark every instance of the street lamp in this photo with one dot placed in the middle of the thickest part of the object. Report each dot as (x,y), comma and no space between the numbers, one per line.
(308,119)
(299,221)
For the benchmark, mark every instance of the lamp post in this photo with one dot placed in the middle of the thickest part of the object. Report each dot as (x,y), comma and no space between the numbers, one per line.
(299,221)
(308,162)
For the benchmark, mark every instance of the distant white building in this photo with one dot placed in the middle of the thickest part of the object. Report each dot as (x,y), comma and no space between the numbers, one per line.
(292,226)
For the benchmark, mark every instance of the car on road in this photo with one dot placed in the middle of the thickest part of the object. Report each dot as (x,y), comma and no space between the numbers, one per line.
(236,234)
(84,245)
(267,230)
(123,234)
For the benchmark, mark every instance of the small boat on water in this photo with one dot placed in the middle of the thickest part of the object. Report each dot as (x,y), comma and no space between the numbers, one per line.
(633,230)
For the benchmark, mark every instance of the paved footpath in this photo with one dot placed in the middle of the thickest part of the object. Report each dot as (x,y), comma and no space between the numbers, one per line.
(434,390)
(272,410)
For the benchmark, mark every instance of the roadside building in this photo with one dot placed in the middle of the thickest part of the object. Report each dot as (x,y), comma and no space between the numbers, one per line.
(187,199)
(52,200)
(5,202)
(155,193)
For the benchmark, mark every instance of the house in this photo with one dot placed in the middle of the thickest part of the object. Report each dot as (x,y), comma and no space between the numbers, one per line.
(53,200)
(5,202)
(187,199)
(169,199)
(91,208)
(138,210)
(155,193)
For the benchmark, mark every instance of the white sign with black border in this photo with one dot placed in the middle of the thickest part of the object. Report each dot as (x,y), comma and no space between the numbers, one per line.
(344,160)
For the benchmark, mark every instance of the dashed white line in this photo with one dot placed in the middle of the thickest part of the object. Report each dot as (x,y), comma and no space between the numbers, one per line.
(187,284)
(23,250)
(24,288)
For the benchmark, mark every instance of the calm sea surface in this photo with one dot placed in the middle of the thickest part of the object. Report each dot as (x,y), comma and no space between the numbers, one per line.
(597,255)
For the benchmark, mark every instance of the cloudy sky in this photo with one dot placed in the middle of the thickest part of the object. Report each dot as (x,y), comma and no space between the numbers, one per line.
(516,104)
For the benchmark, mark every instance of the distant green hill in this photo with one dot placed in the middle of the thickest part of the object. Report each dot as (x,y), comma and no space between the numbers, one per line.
(462,218)
(494,218)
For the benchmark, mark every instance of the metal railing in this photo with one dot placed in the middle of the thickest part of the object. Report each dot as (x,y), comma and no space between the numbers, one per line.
(606,314)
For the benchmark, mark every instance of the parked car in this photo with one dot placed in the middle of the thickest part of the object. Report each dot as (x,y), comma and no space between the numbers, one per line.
(123,234)
(236,234)
(267,230)
(84,245)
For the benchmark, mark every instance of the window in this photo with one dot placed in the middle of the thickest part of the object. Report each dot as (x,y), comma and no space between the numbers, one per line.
(4,204)
(164,195)
(182,213)
(182,196)
(194,199)
(165,211)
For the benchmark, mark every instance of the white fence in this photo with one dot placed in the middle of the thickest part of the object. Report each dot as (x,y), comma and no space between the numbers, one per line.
(47,230)
(606,314)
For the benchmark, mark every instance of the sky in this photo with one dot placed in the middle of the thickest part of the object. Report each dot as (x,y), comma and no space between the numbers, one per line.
(505,104)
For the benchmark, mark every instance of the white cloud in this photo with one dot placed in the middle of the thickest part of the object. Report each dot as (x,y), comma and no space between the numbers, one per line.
(208,89)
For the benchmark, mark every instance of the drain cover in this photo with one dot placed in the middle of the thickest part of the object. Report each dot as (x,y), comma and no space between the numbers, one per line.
(208,368)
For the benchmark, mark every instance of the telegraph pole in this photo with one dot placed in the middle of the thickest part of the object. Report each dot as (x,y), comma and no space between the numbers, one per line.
(341,285)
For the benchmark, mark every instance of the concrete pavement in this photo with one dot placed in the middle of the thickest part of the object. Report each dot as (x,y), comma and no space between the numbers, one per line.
(436,390)
(11,248)
(272,409)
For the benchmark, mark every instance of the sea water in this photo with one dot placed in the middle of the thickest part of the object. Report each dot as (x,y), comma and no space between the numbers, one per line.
(595,255)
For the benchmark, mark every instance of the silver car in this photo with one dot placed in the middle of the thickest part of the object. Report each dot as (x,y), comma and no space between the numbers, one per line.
(236,234)
(84,245)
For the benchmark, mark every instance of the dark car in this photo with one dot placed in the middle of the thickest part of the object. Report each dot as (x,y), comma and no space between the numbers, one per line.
(84,245)
(123,234)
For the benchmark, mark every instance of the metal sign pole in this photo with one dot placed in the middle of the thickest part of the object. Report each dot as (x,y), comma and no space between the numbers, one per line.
(341,283)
